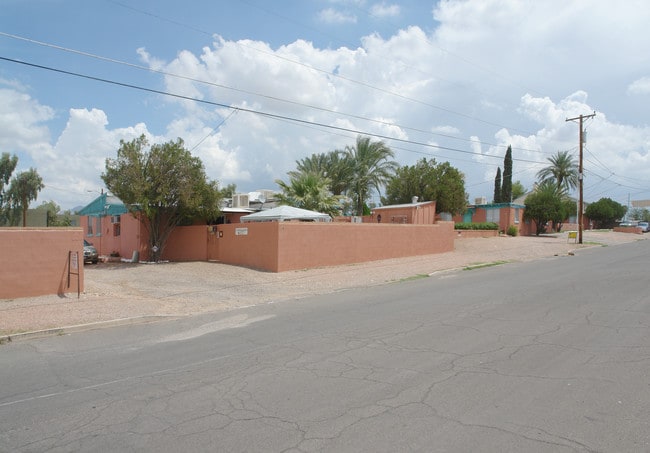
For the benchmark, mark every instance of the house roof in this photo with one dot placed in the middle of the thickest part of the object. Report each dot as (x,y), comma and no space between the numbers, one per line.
(104,204)
(236,210)
(405,205)
(285,213)
(514,204)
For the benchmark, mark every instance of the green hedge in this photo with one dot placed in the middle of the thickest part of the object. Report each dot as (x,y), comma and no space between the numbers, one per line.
(476,226)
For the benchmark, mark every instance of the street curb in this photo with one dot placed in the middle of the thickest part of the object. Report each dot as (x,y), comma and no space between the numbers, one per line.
(87,326)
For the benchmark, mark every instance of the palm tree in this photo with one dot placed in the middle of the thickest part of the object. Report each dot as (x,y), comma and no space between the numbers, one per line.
(371,169)
(316,163)
(332,165)
(24,188)
(309,191)
(563,171)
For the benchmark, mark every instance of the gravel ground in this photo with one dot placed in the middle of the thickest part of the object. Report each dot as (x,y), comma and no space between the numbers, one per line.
(124,292)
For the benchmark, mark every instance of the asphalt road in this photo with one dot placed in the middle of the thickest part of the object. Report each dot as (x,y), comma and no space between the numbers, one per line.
(551,356)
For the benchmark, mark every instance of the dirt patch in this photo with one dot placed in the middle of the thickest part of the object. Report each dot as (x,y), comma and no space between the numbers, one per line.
(121,291)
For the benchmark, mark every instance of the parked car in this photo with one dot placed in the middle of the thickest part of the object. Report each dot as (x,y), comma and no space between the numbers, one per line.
(625,224)
(645,226)
(90,253)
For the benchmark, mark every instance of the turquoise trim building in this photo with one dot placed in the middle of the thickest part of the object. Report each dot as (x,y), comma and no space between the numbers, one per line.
(104,205)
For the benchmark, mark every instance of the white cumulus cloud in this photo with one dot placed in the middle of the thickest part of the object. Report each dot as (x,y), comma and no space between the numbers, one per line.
(640,86)
(384,10)
(333,16)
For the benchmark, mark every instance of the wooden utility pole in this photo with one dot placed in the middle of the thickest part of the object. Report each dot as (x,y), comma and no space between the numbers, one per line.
(580,176)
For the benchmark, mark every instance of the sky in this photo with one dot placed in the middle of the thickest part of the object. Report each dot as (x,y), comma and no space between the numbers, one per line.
(252,86)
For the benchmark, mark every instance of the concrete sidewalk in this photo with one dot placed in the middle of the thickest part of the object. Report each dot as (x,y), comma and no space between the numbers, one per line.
(118,293)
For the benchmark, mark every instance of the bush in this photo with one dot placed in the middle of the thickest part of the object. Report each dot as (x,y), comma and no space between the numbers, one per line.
(512,230)
(476,226)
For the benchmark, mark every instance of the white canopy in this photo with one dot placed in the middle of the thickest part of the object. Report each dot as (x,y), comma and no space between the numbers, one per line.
(286,213)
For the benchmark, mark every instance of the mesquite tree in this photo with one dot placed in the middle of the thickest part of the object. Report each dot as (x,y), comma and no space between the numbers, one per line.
(164,184)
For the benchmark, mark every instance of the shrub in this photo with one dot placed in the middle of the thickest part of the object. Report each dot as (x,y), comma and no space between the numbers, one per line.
(512,230)
(476,226)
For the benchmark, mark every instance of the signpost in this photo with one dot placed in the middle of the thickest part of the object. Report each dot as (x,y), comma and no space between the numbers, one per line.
(73,269)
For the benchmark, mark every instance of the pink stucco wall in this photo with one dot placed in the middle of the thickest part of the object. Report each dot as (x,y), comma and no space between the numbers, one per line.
(280,246)
(283,246)
(632,229)
(249,244)
(187,243)
(34,261)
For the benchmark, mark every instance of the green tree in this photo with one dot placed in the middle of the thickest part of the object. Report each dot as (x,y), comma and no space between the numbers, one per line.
(333,165)
(518,190)
(640,214)
(7,166)
(309,191)
(567,209)
(544,204)
(563,171)
(23,189)
(371,167)
(52,210)
(506,188)
(165,184)
(605,212)
(428,181)
(497,187)
(228,191)
(54,218)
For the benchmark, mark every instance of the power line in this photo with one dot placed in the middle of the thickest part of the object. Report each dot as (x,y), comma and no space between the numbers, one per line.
(213,130)
(331,74)
(580,171)
(256,112)
(400,62)
(265,96)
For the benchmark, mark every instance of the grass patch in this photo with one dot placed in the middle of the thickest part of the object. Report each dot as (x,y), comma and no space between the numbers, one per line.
(414,277)
(482,265)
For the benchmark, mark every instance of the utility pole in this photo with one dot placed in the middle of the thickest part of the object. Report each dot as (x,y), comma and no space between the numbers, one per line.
(580,175)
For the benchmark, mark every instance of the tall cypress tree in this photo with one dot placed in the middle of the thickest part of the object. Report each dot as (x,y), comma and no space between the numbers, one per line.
(506,189)
(497,187)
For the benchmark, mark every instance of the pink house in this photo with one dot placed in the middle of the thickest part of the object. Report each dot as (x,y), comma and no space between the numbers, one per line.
(423,213)
(503,214)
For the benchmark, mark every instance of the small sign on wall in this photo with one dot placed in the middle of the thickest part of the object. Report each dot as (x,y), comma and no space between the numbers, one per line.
(74,261)
(241,231)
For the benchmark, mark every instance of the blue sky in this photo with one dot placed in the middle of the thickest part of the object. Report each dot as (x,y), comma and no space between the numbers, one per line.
(457,81)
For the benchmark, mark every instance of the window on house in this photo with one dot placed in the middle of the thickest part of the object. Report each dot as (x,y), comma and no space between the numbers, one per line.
(98,226)
(115,221)
(516,215)
(493,215)
(89,231)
